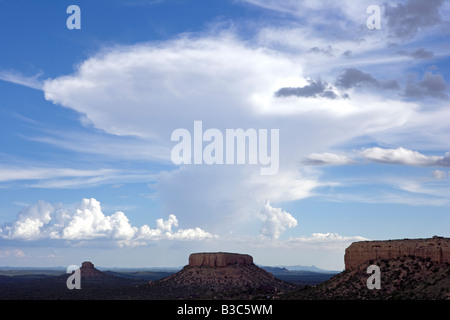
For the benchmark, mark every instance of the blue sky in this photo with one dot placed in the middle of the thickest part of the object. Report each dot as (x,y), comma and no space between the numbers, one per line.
(87,115)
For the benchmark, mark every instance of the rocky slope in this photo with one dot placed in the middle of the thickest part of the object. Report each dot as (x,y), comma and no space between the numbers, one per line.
(409,269)
(220,276)
(403,278)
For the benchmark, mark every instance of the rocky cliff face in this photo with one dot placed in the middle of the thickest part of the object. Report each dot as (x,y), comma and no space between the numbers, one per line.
(219,259)
(437,249)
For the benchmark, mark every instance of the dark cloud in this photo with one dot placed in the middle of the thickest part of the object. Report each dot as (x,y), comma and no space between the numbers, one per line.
(347,53)
(313,90)
(432,85)
(328,51)
(329,95)
(405,20)
(352,77)
(418,54)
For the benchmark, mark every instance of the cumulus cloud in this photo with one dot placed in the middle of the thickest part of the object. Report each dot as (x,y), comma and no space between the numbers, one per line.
(275,221)
(88,222)
(29,222)
(404,156)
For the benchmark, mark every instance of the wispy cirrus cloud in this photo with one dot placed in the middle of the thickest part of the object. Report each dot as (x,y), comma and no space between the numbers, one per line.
(13,173)
(18,78)
(67,178)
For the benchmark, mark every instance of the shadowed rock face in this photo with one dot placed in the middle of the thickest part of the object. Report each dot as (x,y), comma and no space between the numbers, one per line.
(219,259)
(436,248)
(87,270)
(87,264)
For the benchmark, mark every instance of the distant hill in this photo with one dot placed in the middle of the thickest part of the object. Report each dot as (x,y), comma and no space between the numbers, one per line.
(140,275)
(312,268)
(300,277)
(94,285)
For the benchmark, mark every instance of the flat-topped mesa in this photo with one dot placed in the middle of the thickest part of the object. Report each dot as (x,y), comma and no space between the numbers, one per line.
(437,249)
(87,265)
(219,259)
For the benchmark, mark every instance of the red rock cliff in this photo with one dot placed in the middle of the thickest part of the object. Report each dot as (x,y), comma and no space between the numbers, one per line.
(219,259)
(436,248)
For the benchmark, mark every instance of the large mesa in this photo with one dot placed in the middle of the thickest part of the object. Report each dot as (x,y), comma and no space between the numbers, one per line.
(436,249)
(219,259)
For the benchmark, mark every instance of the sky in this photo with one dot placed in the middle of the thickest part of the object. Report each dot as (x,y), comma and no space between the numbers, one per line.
(354,104)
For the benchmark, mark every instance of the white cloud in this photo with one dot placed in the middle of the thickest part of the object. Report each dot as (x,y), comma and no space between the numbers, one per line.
(182,77)
(149,90)
(226,198)
(327,159)
(88,222)
(29,222)
(404,156)
(326,240)
(275,221)
(67,178)
(18,78)
(439,174)
(13,173)
(316,241)
(389,156)
(17,253)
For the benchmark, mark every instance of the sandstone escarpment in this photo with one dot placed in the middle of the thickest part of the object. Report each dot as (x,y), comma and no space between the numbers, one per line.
(436,249)
(219,259)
